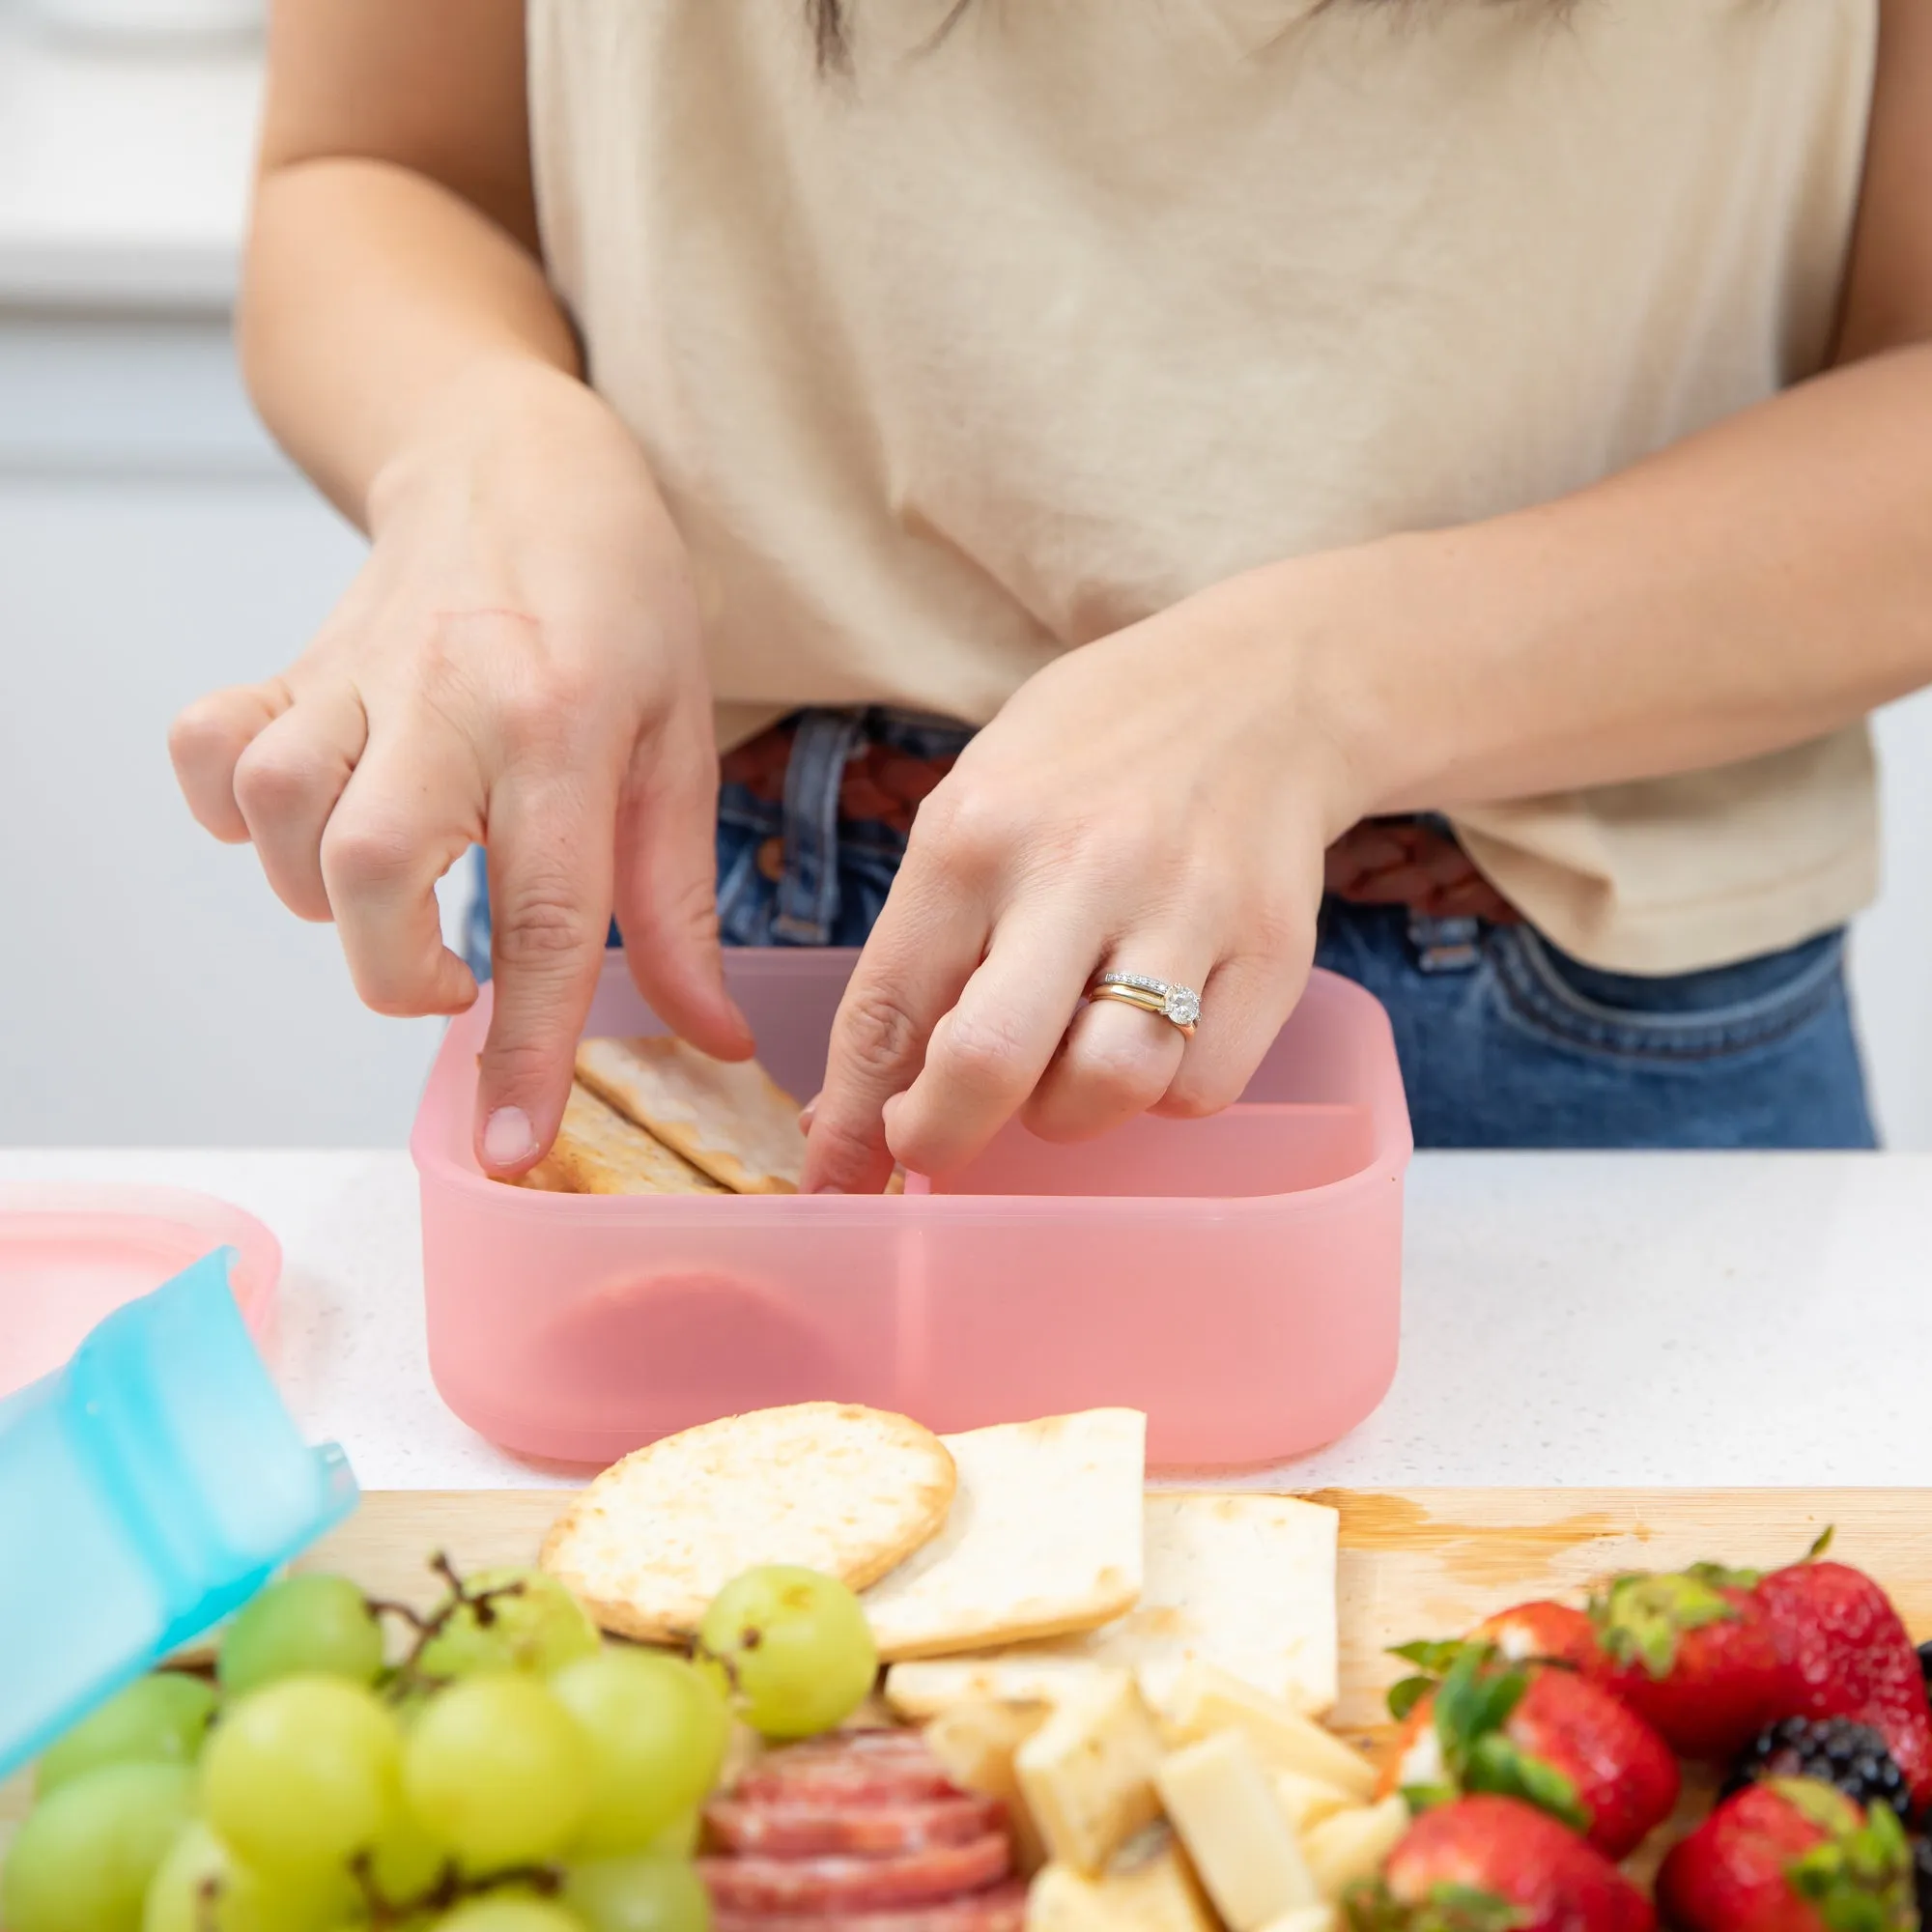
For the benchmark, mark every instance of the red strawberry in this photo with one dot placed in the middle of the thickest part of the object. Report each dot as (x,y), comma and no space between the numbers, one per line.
(1541,1632)
(1791,1855)
(1496,1864)
(1696,1655)
(1537,1732)
(1849,1656)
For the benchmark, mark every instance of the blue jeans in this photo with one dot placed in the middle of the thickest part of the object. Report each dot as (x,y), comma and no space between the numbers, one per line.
(1504,1040)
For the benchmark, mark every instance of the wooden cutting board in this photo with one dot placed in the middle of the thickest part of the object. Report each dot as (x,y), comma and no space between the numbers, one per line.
(1414,1562)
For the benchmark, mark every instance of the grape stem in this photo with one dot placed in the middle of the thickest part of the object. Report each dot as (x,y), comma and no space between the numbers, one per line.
(410,1675)
(451,1889)
(726,1666)
(385,1606)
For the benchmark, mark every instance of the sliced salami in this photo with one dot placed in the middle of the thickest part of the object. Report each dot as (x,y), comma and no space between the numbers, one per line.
(1002,1909)
(848,1885)
(868,1740)
(789,1828)
(842,1747)
(856,1772)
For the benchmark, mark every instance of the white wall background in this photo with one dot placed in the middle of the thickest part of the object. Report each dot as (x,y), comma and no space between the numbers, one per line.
(151,545)
(151,991)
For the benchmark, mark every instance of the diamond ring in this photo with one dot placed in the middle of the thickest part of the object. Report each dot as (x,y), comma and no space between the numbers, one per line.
(1178,1006)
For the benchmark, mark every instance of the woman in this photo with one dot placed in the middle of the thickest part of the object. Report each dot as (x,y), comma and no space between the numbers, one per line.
(1428,486)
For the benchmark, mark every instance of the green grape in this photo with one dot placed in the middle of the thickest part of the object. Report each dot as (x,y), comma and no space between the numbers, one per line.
(796,1646)
(656,1732)
(158,1719)
(679,1838)
(507,1913)
(644,1893)
(83,1860)
(407,1861)
(498,1771)
(201,1888)
(538,1627)
(301,1627)
(303,1774)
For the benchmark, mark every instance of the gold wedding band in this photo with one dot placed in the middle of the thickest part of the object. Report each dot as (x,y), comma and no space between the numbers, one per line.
(1146,1006)
(1178,1006)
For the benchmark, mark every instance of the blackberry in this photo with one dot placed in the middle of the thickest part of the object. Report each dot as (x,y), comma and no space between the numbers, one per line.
(1921,1877)
(1926,1664)
(1851,1757)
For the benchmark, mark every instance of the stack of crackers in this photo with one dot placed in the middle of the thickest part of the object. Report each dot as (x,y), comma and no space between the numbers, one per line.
(656,1117)
(1012,1560)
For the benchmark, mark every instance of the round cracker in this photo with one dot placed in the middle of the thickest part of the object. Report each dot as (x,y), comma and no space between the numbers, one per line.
(847,1490)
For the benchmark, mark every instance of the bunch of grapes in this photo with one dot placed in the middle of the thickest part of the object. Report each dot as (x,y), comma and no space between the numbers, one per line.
(509,1773)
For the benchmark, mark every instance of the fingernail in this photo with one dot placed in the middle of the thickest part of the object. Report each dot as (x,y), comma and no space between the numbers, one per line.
(507,1138)
(807,1114)
(828,1190)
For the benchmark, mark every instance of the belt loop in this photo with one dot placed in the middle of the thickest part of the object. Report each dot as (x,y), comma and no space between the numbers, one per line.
(1444,945)
(808,894)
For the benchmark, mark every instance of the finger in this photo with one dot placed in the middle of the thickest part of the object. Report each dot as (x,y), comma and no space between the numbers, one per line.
(207,739)
(287,782)
(406,814)
(666,894)
(988,1054)
(922,951)
(1119,1060)
(551,841)
(1245,1005)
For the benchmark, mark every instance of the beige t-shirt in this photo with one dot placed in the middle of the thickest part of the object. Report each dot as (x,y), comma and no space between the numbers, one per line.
(997,345)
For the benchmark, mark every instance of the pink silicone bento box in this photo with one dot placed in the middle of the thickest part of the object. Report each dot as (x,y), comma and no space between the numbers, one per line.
(1237,1278)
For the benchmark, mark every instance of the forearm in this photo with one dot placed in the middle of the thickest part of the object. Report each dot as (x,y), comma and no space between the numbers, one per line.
(376,303)
(1754,586)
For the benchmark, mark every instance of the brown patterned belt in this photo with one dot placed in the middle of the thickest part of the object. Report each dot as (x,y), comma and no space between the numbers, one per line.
(881,787)
(1391,862)
(1408,862)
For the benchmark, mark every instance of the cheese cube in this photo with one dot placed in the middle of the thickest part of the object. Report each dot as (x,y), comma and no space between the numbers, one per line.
(1307,1801)
(1156,1895)
(922,1688)
(1088,1773)
(1306,1919)
(1221,1801)
(976,1744)
(1353,1844)
(1207,1700)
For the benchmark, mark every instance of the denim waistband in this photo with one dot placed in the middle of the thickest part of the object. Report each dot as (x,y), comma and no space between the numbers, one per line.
(815,752)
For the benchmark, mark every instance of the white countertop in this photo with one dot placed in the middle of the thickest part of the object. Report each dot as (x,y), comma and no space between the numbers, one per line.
(1570,1320)
(124,169)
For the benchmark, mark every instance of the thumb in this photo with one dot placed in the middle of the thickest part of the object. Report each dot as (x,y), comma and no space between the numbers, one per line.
(667,892)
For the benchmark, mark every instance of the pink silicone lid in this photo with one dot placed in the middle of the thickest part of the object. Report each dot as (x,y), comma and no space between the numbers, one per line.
(72,1253)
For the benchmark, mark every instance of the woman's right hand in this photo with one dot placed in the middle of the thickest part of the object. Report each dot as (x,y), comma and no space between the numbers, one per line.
(518,665)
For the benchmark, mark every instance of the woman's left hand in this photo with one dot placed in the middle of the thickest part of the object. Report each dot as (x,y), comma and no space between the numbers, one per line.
(1156,803)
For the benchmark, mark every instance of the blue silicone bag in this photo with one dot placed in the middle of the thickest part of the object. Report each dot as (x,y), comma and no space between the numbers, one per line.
(147,1488)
